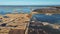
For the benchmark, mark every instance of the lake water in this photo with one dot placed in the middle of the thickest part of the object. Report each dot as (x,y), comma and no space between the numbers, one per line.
(54,18)
(10,9)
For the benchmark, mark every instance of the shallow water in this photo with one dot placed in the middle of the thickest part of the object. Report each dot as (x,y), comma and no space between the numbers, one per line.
(54,18)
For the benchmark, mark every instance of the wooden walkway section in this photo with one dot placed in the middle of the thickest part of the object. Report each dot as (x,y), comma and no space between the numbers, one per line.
(16,24)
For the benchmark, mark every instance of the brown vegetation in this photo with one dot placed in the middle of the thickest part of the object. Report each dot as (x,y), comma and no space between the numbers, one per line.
(48,10)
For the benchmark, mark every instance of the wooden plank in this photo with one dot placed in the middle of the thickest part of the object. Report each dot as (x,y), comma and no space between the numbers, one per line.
(17,31)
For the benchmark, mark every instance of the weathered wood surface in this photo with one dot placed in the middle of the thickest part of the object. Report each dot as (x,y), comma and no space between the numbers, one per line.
(17,31)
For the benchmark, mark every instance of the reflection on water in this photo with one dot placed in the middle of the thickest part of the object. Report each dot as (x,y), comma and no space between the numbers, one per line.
(54,18)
